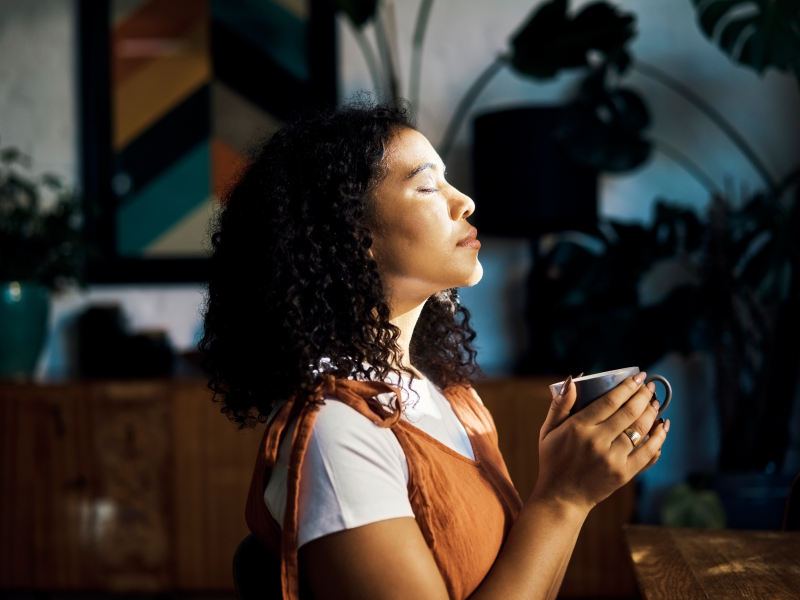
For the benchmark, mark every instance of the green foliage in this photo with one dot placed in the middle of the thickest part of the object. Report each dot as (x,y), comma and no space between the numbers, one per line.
(738,298)
(587,288)
(687,507)
(602,128)
(738,263)
(767,35)
(552,41)
(37,244)
(359,11)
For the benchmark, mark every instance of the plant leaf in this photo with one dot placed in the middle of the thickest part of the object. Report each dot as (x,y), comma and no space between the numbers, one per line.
(602,27)
(602,128)
(551,41)
(768,37)
(39,245)
(9,156)
(52,181)
(359,11)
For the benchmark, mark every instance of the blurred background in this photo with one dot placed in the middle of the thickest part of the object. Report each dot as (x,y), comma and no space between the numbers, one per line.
(635,166)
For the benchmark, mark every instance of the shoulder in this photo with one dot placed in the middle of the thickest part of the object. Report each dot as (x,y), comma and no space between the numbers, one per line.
(468,406)
(354,473)
(474,395)
(341,432)
(465,393)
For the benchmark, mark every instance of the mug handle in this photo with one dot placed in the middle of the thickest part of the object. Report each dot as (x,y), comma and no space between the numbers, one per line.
(663,380)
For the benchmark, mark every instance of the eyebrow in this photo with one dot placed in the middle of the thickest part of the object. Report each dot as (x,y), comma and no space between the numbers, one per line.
(420,168)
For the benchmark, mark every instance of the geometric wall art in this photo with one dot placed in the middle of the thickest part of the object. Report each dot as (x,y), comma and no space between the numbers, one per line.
(174,92)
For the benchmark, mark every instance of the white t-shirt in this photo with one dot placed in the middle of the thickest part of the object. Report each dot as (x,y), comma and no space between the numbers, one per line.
(355,472)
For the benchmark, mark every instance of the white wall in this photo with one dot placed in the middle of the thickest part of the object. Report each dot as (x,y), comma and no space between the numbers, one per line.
(38,103)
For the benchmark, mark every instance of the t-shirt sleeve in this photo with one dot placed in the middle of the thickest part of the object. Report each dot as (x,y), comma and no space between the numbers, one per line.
(354,473)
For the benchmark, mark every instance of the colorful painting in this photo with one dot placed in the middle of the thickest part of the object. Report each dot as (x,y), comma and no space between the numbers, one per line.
(191,84)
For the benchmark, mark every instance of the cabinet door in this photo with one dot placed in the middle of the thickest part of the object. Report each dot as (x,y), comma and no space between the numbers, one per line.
(46,480)
(127,486)
(131,514)
(213,466)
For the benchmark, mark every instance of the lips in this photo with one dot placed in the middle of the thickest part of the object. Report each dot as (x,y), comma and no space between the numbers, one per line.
(471,241)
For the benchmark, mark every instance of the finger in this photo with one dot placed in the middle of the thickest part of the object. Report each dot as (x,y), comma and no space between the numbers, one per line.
(653,461)
(647,450)
(559,408)
(643,424)
(608,404)
(628,413)
(624,441)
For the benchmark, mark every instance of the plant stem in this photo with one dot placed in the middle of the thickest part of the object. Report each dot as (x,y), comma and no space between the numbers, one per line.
(687,164)
(710,112)
(466,103)
(369,56)
(386,58)
(416,52)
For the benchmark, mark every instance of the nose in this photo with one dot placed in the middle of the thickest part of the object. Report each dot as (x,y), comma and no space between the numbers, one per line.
(461,205)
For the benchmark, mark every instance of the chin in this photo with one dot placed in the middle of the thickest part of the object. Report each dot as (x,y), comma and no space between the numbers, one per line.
(475,276)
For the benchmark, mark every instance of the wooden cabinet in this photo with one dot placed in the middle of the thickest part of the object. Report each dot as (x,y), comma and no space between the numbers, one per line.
(122,486)
(139,486)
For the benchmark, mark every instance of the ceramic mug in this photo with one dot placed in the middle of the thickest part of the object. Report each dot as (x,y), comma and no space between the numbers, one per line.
(591,387)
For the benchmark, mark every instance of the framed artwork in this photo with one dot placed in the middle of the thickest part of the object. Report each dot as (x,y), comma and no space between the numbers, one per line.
(173,93)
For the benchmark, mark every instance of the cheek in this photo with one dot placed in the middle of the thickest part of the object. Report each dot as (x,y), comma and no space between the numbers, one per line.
(426,222)
(409,228)
(389,249)
(410,249)
(428,237)
(414,238)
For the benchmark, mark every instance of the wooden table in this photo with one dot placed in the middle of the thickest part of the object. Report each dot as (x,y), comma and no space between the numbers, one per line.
(701,563)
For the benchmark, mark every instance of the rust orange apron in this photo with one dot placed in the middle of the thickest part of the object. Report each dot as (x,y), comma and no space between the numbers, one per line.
(463,507)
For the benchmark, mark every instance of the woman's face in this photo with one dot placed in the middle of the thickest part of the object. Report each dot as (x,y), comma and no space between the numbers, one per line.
(421,239)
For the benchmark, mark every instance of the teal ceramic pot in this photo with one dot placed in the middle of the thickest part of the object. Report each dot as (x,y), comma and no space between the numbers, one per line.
(24,308)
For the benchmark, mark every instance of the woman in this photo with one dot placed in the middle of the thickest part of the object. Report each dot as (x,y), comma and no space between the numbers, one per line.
(333,314)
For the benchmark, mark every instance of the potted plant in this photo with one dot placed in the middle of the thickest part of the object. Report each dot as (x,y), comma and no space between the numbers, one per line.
(41,249)
(740,300)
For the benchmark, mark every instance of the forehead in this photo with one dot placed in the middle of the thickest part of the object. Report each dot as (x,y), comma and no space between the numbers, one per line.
(407,149)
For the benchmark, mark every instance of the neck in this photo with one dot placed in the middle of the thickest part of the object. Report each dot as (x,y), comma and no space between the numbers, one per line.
(406,320)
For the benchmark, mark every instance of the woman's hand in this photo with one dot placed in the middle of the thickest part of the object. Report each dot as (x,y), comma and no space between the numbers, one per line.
(582,459)
(586,457)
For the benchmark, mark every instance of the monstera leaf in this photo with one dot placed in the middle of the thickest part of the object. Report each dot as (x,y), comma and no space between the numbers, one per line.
(602,128)
(551,41)
(766,35)
(762,241)
(359,11)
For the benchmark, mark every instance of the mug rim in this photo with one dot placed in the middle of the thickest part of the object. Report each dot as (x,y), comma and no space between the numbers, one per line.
(611,372)
(596,375)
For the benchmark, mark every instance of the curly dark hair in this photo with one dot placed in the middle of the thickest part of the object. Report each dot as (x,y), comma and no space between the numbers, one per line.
(293,291)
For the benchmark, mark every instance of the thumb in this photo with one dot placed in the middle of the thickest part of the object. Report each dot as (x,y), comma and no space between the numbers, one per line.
(562,403)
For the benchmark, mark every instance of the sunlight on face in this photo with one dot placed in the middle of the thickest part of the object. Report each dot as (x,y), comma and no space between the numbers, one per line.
(421,239)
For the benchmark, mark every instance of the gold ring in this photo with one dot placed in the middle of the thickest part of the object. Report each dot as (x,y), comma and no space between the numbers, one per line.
(633,436)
